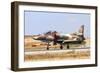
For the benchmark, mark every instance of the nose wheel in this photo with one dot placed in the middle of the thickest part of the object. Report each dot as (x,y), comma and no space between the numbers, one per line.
(67,46)
(61,46)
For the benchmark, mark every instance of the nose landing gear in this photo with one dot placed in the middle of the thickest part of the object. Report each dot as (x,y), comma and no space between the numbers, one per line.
(61,46)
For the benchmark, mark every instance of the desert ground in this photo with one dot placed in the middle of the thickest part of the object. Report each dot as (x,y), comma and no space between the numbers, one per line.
(35,50)
(58,55)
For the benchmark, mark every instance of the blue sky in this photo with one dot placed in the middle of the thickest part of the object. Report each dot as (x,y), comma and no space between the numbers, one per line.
(38,22)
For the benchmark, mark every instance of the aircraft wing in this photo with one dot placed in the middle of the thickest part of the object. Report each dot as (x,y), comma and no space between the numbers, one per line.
(68,41)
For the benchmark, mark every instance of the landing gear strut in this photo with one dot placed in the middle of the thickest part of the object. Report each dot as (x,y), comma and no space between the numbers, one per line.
(48,46)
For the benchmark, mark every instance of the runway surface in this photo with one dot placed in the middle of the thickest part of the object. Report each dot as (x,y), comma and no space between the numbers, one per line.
(31,52)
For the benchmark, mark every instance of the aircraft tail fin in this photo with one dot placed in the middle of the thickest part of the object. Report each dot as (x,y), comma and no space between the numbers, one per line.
(81,30)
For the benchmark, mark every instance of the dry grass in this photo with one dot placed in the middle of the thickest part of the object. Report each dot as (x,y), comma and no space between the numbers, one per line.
(58,55)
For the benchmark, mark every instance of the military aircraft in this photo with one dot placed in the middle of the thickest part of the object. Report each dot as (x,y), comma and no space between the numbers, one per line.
(55,37)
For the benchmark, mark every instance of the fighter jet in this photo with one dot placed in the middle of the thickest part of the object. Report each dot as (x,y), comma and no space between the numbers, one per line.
(57,38)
